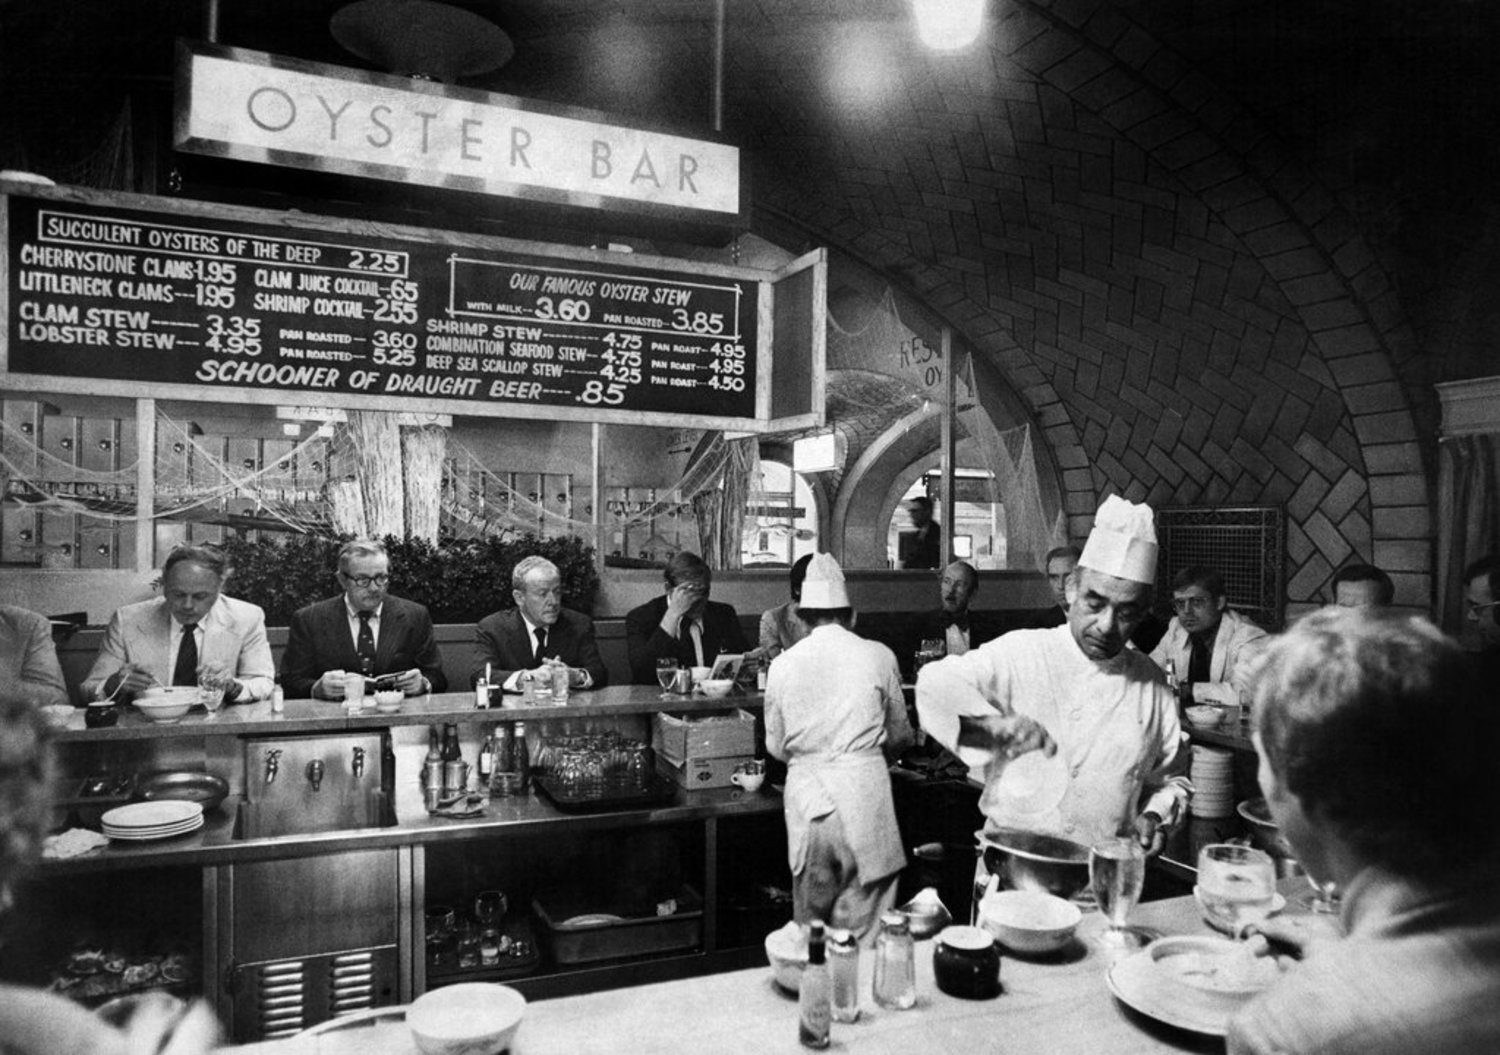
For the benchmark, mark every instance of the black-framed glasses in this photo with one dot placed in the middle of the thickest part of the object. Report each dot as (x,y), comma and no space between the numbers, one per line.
(364,582)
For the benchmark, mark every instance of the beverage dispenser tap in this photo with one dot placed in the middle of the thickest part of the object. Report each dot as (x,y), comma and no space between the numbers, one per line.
(315,773)
(273,763)
(358,765)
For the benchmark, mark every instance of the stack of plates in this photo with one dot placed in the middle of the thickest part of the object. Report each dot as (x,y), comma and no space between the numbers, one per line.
(144,821)
(1213,778)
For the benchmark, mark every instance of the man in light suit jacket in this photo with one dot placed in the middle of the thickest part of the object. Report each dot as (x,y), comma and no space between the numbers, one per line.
(684,624)
(148,643)
(363,630)
(1206,641)
(506,641)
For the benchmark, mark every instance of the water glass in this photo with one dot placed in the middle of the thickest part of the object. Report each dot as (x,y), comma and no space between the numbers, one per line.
(560,677)
(211,686)
(1236,885)
(1117,871)
(666,673)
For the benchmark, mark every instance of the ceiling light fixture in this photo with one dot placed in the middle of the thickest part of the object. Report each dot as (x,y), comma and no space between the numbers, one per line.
(422,38)
(947,25)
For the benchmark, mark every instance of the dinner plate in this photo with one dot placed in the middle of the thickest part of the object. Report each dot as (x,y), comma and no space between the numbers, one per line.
(1140,983)
(593,919)
(140,836)
(154,814)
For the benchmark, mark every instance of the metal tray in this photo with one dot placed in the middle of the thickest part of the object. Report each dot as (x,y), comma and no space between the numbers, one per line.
(188,785)
(655,792)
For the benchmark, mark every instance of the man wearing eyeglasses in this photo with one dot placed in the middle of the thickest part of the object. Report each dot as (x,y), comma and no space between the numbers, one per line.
(1208,642)
(364,630)
(1481,609)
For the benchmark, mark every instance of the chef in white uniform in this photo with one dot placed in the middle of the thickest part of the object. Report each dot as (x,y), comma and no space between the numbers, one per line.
(835,713)
(1086,726)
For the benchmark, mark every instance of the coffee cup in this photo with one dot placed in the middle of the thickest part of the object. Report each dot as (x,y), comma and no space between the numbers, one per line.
(749,775)
(700,674)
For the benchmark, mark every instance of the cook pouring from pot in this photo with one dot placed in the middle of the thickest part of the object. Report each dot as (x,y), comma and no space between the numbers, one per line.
(1007,737)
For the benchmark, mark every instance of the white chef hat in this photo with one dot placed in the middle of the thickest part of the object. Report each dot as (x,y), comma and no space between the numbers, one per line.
(824,585)
(1123,542)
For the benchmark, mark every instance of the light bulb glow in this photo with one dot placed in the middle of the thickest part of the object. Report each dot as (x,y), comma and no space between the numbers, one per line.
(947,25)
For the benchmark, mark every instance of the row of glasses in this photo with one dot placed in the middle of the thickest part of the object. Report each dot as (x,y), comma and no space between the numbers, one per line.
(1236,887)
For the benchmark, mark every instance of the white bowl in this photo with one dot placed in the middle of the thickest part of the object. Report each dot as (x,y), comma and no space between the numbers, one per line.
(1029,921)
(786,948)
(717,688)
(471,1018)
(167,704)
(1214,971)
(388,701)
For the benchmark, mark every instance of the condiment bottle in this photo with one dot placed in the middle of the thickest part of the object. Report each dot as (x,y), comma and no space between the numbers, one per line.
(523,760)
(843,966)
(895,964)
(504,761)
(387,766)
(487,757)
(482,691)
(814,994)
(432,765)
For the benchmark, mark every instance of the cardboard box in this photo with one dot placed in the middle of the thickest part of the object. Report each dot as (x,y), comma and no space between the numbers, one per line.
(709,734)
(698,774)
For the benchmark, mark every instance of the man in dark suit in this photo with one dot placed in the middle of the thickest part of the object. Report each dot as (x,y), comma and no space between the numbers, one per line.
(953,624)
(365,630)
(684,624)
(516,640)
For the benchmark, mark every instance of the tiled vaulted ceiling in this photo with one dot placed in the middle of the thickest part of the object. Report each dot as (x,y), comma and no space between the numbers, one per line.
(1219,249)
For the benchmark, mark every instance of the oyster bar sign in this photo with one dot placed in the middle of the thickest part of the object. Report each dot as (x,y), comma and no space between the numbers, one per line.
(252,106)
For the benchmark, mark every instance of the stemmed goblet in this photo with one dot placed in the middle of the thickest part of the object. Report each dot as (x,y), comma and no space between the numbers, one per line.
(1236,885)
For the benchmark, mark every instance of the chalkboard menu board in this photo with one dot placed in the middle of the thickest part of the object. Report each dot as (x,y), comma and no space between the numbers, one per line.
(229,305)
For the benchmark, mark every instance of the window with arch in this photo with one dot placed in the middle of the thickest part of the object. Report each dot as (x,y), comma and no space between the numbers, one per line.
(781,518)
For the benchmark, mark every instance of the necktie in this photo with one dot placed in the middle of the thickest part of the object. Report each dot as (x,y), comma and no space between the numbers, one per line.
(365,645)
(1198,661)
(541,640)
(186,670)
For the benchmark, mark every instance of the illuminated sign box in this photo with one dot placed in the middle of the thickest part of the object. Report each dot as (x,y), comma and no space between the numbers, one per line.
(256,107)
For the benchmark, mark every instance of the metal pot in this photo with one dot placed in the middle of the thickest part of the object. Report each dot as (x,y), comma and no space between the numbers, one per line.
(1264,833)
(1032,861)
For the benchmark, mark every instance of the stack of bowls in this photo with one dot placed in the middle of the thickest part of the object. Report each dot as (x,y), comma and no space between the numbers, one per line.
(1213,778)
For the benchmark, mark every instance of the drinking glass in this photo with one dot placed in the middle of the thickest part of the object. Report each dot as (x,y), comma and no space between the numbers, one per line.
(1117,871)
(930,649)
(1236,885)
(666,673)
(211,686)
(1324,898)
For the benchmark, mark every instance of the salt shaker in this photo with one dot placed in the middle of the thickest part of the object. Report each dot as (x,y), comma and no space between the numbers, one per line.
(843,966)
(895,964)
